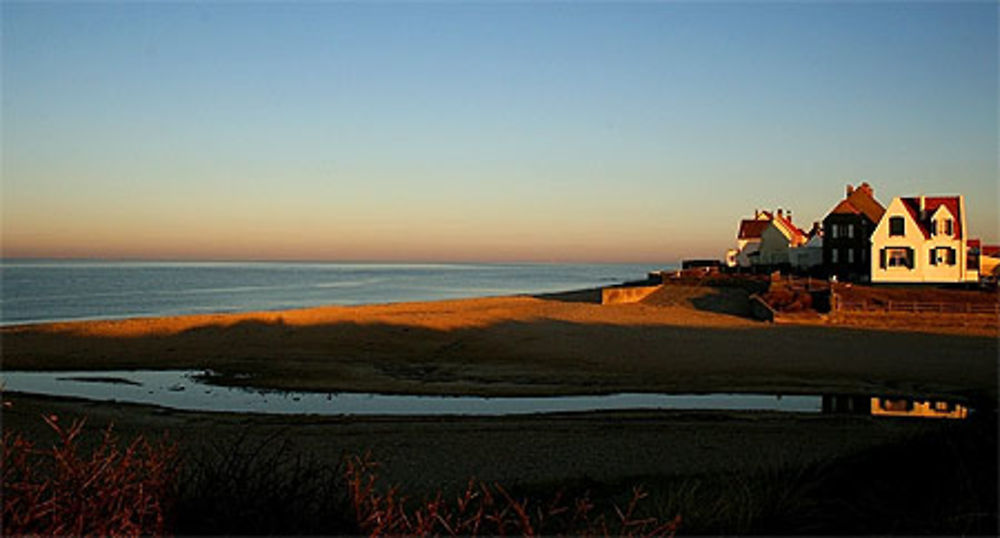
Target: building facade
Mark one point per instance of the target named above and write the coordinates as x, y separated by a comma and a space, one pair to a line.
748, 240
778, 237
809, 255
922, 239
847, 232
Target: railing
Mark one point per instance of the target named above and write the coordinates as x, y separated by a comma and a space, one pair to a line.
917, 307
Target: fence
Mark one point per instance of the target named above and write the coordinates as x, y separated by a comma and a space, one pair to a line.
806, 283
917, 307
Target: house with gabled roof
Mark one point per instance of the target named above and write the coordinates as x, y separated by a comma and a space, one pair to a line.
922, 239
847, 231
778, 237
808, 255
748, 239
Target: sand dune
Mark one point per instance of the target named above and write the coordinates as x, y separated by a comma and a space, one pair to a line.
519, 345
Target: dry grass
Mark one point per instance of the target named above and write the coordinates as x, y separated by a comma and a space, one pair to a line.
929, 294
261, 487
489, 510
114, 490
267, 486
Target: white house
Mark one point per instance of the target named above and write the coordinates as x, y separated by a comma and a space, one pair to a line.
809, 254
922, 239
748, 240
778, 238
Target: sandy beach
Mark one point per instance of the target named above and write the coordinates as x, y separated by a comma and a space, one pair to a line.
685, 340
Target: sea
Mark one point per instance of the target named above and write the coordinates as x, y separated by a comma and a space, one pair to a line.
37, 291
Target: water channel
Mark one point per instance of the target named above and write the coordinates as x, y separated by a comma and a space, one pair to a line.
188, 390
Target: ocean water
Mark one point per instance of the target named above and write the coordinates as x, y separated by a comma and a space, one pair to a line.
34, 291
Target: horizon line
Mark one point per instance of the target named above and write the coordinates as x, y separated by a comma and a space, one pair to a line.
4, 259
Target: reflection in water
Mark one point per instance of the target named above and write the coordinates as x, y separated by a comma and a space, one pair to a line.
187, 390
893, 406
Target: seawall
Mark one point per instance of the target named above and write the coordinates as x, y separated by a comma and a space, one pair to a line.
627, 294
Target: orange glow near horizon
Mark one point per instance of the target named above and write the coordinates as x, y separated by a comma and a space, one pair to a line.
270, 248
431, 234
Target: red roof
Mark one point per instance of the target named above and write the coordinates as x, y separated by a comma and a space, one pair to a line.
990, 250
861, 201
797, 235
752, 228
845, 207
931, 204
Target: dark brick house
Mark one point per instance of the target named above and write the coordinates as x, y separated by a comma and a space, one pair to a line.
847, 231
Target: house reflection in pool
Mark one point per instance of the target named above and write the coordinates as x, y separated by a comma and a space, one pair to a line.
893, 406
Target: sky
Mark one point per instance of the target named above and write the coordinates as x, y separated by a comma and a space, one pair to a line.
493, 132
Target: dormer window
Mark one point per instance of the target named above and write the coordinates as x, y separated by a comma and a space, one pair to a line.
948, 227
897, 226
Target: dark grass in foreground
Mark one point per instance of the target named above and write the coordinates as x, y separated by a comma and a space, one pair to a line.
112, 489
259, 488
942, 481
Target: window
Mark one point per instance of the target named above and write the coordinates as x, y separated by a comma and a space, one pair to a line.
897, 405
833, 230
896, 257
850, 254
942, 227
850, 230
896, 226
942, 255
833, 254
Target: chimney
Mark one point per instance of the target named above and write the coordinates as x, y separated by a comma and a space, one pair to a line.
850, 189
866, 188
780, 212
756, 214
789, 215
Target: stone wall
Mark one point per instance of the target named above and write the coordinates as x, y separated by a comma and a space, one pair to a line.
627, 294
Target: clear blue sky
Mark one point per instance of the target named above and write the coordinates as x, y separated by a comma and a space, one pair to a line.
549, 132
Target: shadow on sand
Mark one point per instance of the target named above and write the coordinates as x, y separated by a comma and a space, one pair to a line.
537, 356
727, 300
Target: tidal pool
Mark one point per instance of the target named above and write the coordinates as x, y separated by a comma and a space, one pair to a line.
187, 390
